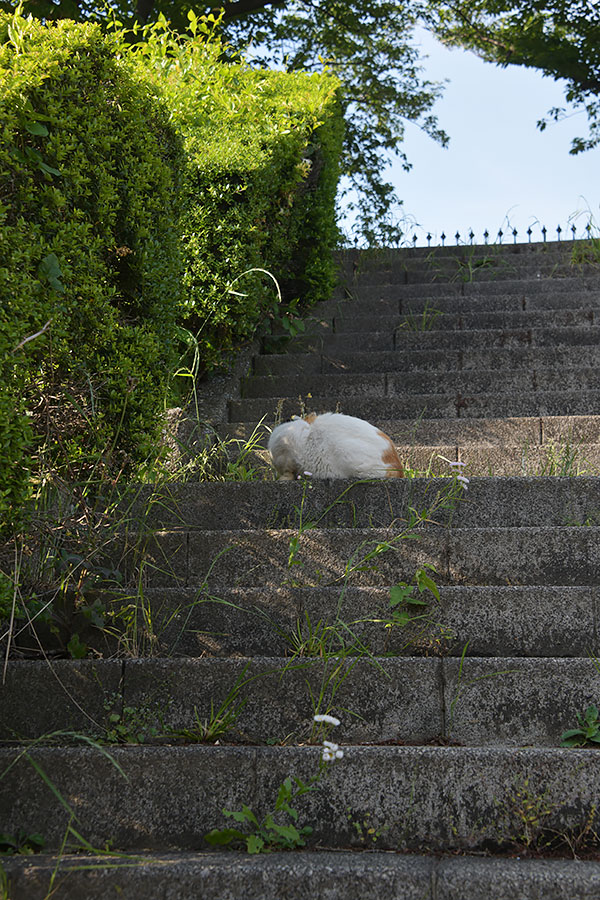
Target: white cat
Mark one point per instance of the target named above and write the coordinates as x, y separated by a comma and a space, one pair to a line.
333, 446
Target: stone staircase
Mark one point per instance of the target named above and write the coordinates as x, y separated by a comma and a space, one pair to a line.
452, 785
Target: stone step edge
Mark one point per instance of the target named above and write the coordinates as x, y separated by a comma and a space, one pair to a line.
411, 408
541, 425
446, 383
304, 875
412, 701
415, 797
496, 621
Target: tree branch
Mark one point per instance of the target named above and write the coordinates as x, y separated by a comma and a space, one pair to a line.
481, 34
245, 7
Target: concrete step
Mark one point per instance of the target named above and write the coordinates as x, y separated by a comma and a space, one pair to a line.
427, 461
387, 301
429, 319
414, 798
567, 458
417, 406
549, 446
490, 381
209, 560
383, 361
385, 286
411, 700
508, 502
437, 339
489, 621
275, 621
482, 278
491, 432
496, 272
304, 875
479, 272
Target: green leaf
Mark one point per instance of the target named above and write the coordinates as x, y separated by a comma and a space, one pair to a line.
48, 169
285, 793
424, 582
36, 128
77, 648
249, 815
399, 593
254, 843
49, 270
288, 832
244, 815
220, 837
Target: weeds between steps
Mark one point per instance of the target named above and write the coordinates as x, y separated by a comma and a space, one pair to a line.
262, 837
135, 725
72, 840
61, 582
469, 264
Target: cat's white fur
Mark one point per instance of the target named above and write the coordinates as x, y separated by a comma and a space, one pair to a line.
333, 446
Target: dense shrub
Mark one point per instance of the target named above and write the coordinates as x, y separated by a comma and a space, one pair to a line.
141, 187
89, 243
263, 153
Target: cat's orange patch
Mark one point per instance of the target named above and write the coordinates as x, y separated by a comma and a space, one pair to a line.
310, 418
391, 459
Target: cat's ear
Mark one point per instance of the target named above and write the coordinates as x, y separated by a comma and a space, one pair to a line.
310, 418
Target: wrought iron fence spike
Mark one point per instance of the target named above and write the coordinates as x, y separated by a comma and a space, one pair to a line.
428, 239
471, 236
573, 230
486, 235
442, 238
457, 237
514, 234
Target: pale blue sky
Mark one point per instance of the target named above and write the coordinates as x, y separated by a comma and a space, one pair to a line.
498, 164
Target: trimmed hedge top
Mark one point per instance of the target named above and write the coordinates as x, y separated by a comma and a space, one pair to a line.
263, 154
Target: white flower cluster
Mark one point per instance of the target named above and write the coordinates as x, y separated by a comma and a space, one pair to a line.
458, 467
329, 720
331, 751
308, 474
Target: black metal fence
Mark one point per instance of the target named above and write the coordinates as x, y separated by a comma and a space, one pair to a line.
570, 233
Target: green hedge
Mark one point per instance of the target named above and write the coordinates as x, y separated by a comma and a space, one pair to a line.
263, 153
138, 186
89, 242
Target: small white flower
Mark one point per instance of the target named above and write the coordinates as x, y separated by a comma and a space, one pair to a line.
464, 481
331, 746
457, 465
330, 720
331, 752
308, 473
